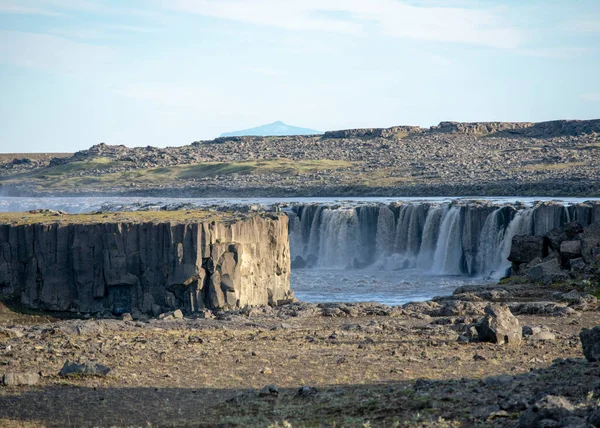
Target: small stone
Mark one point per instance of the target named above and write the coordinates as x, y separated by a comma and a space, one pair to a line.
18, 379
478, 357
307, 391
91, 369
269, 391
543, 335
205, 314
530, 331
177, 314
127, 317
266, 370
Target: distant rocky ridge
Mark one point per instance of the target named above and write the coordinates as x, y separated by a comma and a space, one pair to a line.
557, 158
272, 129
541, 129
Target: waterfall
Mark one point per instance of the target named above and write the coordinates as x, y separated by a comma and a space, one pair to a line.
442, 238
448, 251
386, 228
430, 235
339, 238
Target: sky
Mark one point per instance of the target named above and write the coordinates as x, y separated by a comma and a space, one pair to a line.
74, 73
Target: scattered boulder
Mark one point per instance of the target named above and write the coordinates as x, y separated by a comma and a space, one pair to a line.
19, 379
590, 342
499, 325
269, 391
578, 265
543, 335
590, 243
525, 248
570, 249
547, 271
549, 408
568, 232
84, 369
307, 391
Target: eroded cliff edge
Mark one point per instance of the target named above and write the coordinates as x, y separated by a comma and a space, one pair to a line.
127, 262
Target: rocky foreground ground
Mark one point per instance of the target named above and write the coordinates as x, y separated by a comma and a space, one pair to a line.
423, 364
559, 158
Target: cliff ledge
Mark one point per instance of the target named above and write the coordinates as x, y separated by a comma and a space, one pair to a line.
148, 261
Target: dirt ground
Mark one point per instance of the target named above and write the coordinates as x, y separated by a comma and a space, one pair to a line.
371, 366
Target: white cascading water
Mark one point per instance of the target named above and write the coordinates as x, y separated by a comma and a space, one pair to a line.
430, 235
386, 227
448, 251
417, 235
496, 239
338, 237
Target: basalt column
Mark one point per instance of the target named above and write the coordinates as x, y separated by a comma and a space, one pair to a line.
146, 266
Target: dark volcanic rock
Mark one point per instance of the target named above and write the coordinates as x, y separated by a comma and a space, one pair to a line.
567, 232
526, 248
548, 409
590, 342
153, 267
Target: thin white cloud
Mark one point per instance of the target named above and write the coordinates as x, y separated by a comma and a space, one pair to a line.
392, 17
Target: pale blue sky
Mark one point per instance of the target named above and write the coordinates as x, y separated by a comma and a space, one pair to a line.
74, 73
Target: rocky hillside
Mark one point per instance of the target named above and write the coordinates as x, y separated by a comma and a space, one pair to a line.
549, 158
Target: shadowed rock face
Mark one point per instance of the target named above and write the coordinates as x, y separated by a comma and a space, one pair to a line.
123, 267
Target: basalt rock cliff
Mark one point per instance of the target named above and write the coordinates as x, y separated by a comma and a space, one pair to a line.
149, 267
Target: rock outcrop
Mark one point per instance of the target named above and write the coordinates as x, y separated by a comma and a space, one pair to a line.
571, 250
149, 266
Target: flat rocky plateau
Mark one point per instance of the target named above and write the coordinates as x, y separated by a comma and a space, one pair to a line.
309, 365
558, 158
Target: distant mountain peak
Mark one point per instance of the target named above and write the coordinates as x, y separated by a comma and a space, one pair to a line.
277, 128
